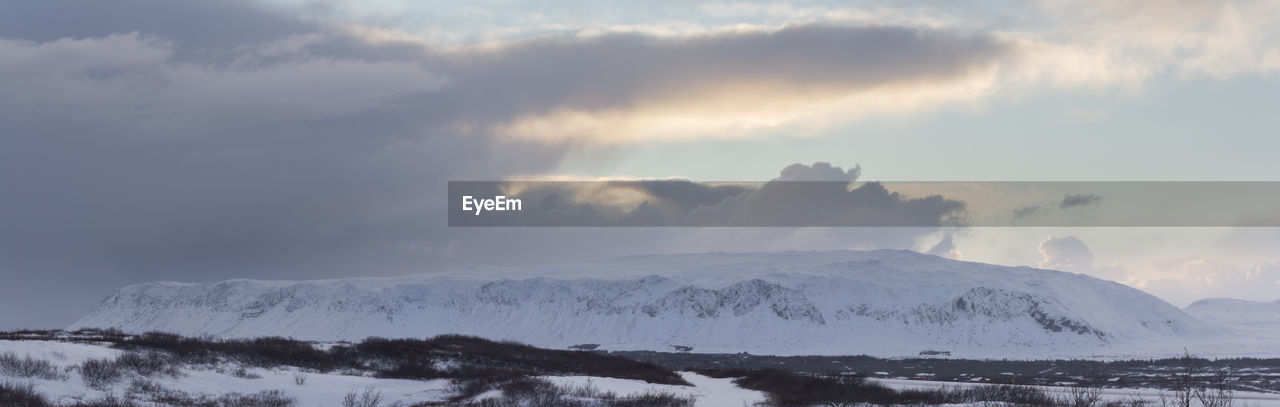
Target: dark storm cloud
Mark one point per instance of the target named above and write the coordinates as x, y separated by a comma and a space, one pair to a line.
685, 195
802, 195
828, 203
158, 140
622, 70
1075, 200
819, 171
198, 26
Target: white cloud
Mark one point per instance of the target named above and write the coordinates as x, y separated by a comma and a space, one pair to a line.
945, 248
1211, 38
1187, 279
1066, 253
1179, 280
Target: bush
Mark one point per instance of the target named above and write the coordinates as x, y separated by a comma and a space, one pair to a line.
468, 386
371, 397
785, 389
244, 373
1081, 397
260, 352
147, 364
21, 395
109, 401
100, 373
525, 386
540, 392
269, 398
1005, 393
475, 364
413, 370
153, 393
512, 356
653, 399
14, 366
141, 389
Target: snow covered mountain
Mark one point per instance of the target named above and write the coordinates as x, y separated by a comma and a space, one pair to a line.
838, 302
1248, 328
1236, 312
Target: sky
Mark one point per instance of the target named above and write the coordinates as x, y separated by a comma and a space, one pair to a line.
145, 140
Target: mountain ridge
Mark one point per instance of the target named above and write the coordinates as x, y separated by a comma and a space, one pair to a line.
888, 303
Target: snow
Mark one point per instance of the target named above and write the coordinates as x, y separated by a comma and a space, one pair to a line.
62, 354
882, 303
1250, 328
1237, 312
1253, 399
721, 392
319, 389
707, 391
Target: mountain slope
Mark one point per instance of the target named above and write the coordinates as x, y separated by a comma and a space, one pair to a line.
1236, 312
876, 302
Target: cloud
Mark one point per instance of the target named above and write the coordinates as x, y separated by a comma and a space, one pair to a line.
1067, 202
780, 203
819, 171
1066, 253
1074, 200
1180, 280
945, 248
1092, 44
608, 88
1191, 38
802, 195
198, 27
1025, 211
134, 81
150, 139
709, 85
1085, 44
139, 148
1264, 273
138, 153
1185, 279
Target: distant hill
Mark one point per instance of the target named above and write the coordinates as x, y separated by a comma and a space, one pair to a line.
886, 303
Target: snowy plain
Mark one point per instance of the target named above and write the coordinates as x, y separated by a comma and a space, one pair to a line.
1252, 399
321, 389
